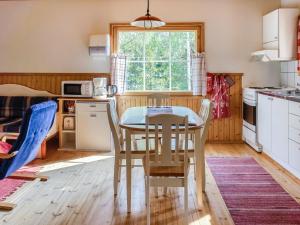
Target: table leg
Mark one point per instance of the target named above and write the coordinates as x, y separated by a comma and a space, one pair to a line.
128, 168
199, 165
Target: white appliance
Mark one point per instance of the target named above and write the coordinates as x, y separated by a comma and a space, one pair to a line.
83, 88
99, 45
100, 87
279, 36
92, 126
250, 115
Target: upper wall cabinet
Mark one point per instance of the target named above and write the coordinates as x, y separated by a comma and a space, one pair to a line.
271, 30
280, 32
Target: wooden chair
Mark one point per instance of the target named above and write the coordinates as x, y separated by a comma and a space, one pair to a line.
166, 168
139, 147
205, 114
35, 126
158, 99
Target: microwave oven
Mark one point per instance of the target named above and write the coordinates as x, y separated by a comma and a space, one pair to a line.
84, 88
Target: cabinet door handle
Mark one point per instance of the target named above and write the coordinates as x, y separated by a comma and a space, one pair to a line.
93, 106
94, 115
270, 99
276, 37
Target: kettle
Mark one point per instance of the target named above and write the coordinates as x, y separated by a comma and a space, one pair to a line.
112, 90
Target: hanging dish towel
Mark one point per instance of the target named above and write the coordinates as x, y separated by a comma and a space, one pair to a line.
298, 45
218, 89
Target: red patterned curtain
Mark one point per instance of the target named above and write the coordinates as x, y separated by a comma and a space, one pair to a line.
298, 45
218, 88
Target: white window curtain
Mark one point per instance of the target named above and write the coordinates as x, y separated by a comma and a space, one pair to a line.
198, 74
118, 70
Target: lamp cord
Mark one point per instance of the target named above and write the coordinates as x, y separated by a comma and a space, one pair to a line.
148, 5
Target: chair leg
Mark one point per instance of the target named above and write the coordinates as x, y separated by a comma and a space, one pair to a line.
120, 167
194, 170
145, 180
186, 203
116, 175
5, 206
148, 200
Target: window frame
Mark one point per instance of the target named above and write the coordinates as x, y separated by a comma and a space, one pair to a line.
197, 27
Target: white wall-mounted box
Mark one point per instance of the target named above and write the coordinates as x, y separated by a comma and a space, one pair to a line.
99, 45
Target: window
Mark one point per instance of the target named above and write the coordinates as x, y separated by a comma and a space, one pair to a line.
157, 60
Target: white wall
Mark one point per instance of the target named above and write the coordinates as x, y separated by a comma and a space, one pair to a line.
52, 36
290, 3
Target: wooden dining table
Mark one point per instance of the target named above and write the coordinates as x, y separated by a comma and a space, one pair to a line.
133, 122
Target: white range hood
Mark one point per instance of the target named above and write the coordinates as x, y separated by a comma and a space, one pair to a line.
266, 56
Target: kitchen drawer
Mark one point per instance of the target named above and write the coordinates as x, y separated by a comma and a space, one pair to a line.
294, 134
91, 106
294, 121
294, 155
294, 108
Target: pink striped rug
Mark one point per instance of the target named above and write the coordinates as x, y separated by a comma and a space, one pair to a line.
251, 195
9, 185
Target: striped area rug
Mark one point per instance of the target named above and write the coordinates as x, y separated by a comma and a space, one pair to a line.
251, 195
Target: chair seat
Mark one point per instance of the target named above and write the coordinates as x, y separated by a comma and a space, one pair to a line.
165, 171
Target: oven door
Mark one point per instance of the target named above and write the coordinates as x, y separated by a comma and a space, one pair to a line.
249, 114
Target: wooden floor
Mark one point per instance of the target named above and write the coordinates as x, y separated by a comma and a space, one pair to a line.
80, 191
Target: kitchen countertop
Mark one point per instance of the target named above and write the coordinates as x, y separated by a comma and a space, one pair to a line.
290, 95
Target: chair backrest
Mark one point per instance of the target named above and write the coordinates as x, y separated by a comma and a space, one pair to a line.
169, 127
158, 99
205, 109
113, 120
36, 124
206, 115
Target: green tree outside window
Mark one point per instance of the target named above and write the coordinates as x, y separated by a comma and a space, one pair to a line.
157, 60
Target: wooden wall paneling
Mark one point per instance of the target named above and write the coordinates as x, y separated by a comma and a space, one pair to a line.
46, 81
228, 130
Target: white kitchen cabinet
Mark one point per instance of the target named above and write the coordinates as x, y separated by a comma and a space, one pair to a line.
271, 29
264, 121
280, 129
294, 108
294, 121
294, 156
92, 127
280, 32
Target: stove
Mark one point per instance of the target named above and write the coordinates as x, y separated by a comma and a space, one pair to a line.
250, 96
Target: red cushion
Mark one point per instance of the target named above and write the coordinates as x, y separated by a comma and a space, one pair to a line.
4, 147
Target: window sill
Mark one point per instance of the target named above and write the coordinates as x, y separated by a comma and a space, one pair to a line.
145, 93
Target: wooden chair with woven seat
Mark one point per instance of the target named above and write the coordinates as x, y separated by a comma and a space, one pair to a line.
166, 168
158, 99
139, 146
205, 113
